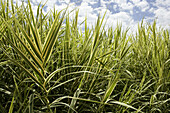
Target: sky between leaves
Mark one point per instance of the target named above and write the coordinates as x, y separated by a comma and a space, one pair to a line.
127, 12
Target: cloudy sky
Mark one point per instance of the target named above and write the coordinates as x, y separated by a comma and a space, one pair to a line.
127, 12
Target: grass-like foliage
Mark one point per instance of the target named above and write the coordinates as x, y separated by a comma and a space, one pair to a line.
48, 64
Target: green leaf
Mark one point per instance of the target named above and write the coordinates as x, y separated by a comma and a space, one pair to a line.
52, 38
31, 103
11, 106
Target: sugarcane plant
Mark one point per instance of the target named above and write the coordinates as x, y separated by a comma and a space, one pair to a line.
49, 64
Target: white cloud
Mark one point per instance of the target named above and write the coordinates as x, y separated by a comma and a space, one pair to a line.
85, 8
120, 1
42, 1
162, 12
151, 9
143, 5
135, 1
163, 17
122, 17
163, 3
126, 6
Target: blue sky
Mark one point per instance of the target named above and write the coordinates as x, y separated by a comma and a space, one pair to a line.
127, 12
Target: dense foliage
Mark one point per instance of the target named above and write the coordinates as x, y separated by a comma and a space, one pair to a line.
49, 64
